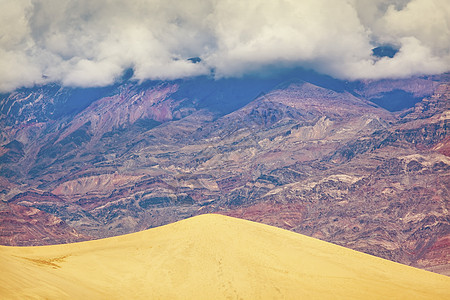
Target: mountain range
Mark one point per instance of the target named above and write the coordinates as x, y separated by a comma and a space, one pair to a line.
364, 165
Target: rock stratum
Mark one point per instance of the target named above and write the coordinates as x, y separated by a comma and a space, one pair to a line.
319, 158
210, 257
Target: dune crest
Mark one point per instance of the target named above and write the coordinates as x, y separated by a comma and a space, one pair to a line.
210, 257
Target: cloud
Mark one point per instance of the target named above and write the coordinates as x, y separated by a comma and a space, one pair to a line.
91, 43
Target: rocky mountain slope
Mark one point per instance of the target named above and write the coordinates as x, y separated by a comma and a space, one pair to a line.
321, 160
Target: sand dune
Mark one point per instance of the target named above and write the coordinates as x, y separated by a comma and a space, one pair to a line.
210, 257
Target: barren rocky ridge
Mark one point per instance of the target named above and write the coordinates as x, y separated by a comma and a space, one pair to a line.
326, 162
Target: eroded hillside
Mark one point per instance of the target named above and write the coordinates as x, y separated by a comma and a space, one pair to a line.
326, 163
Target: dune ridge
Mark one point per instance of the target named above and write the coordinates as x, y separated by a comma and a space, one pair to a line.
210, 257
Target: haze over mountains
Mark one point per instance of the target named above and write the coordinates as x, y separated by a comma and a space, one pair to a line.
361, 164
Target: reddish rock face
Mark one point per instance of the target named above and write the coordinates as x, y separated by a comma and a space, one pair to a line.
283, 215
29, 226
443, 147
325, 163
437, 257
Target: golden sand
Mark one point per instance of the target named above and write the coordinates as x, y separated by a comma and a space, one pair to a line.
210, 257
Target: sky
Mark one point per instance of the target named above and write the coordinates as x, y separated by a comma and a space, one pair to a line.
87, 43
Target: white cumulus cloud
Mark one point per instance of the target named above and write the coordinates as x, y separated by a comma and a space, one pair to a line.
91, 43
